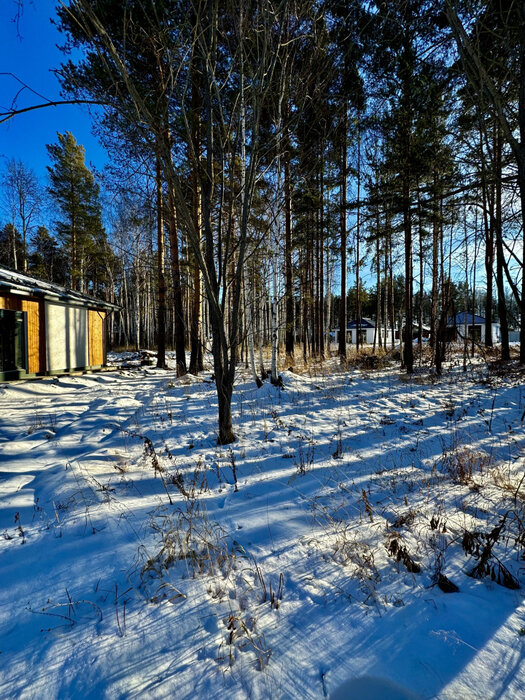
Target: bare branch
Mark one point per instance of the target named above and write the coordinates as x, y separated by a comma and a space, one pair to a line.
10, 113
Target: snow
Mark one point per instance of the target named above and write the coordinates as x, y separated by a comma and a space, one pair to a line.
15, 281
131, 567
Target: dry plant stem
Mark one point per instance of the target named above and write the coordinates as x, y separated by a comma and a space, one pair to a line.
149, 450
121, 627
70, 604
234, 469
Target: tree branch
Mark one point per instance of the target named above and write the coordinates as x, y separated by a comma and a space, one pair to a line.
10, 113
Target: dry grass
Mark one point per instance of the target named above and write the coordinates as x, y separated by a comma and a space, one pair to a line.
462, 463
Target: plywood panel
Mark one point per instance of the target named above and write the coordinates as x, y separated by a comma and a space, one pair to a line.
32, 309
66, 337
56, 348
96, 337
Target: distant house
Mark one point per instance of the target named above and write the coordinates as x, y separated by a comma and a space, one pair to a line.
365, 329
466, 325
48, 329
425, 332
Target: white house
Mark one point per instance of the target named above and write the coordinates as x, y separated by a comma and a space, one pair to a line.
467, 325
366, 329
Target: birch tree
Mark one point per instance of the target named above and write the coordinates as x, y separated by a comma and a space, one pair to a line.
23, 197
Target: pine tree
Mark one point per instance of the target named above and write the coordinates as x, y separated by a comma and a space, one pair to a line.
490, 39
403, 26
221, 244
76, 193
47, 261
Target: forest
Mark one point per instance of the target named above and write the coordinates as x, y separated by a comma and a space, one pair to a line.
299, 470
279, 169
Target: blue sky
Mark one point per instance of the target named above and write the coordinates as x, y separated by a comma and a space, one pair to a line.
30, 52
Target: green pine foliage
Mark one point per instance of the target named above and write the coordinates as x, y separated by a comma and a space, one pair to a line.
48, 261
77, 196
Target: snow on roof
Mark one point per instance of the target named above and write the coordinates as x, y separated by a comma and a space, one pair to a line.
19, 283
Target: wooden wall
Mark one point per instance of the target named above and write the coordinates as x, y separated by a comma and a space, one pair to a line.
97, 337
34, 309
36, 357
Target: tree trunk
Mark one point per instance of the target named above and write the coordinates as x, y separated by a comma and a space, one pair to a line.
408, 350
180, 334
250, 333
74, 261
342, 304
489, 244
161, 303
288, 265
224, 384
357, 243
320, 270
196, 359
392, 310
421, 288
521, 173
377, 333
435, 268
502, 306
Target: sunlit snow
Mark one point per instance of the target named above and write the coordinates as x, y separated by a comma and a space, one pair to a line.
130, 566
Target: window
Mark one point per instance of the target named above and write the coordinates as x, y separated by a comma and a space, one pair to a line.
474, 332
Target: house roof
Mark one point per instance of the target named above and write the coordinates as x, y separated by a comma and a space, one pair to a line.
465, 317
365, 323
15, 282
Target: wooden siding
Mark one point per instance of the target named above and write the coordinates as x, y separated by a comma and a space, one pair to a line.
35, 341
97, 335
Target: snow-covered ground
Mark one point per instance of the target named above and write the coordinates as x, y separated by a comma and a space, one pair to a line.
131, 566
